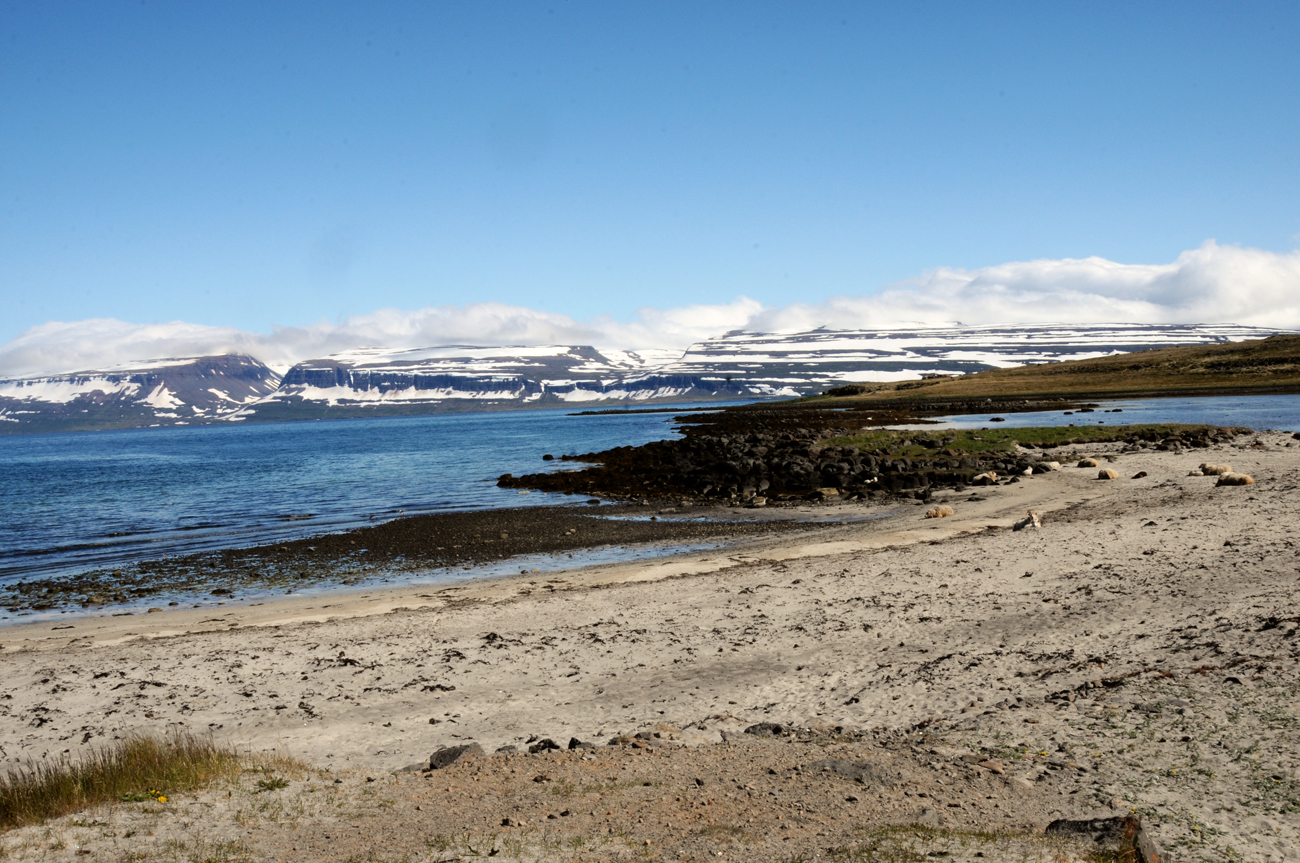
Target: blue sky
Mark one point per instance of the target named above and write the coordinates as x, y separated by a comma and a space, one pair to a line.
252, 165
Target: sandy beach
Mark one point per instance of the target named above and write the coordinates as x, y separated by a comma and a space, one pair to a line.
1138, 653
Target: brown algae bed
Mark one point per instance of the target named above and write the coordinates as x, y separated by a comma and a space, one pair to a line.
403, 547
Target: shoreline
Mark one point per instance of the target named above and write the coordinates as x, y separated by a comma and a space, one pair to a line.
774, 535
1138, 653
418, 548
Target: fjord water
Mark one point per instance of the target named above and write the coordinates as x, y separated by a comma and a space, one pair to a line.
71, 502
1280, 412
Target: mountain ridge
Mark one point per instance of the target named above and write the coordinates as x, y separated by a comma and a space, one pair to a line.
376, 381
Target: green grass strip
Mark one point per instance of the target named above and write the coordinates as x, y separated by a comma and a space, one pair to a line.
923, 444
134, 769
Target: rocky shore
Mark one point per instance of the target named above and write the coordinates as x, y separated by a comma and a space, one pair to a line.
760, 455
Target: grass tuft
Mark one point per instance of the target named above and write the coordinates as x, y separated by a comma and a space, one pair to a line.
136, 768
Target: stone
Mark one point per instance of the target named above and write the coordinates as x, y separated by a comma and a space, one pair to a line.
766, 729
544, 745
993, 767
1123, 835
450, 755
1031, 519
860, 772
928, 817
575, 743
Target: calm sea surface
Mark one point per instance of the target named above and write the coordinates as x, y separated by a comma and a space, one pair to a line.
71, 502
1256, 412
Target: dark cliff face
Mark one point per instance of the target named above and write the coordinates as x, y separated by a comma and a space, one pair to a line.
165, 393
325, 375
373, 382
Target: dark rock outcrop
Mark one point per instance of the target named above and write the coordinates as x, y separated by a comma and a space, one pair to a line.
450, 755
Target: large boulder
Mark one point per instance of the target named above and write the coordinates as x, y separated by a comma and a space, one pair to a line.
449, 755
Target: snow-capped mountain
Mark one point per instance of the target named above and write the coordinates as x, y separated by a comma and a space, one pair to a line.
381, 382
813, 361
165, 392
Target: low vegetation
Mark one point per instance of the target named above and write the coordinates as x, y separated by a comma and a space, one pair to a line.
959, 442
1260, 366
137, 769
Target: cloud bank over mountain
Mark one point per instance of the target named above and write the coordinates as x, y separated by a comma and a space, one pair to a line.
1210, 284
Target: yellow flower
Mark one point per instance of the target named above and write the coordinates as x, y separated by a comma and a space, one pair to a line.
162, 798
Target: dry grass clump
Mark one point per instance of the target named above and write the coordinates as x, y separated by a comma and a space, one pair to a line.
137, 768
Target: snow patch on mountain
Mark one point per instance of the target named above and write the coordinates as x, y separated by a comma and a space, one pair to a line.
146, 393
378, 381
823, 357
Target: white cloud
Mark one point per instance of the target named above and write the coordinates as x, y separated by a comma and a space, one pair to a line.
1210, 284
94, 344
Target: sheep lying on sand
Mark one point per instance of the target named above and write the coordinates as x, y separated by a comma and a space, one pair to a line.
1195, 473
1215, 469
1236, 479
986, 478
1139, 474
940, 511
1088, 462
1031, 519
1107, 473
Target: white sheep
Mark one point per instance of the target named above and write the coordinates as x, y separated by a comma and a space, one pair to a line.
1215, 469
1236, 479
940, 511
1107, 473
1089, 462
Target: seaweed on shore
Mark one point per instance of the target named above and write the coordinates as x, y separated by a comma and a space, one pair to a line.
405, 546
